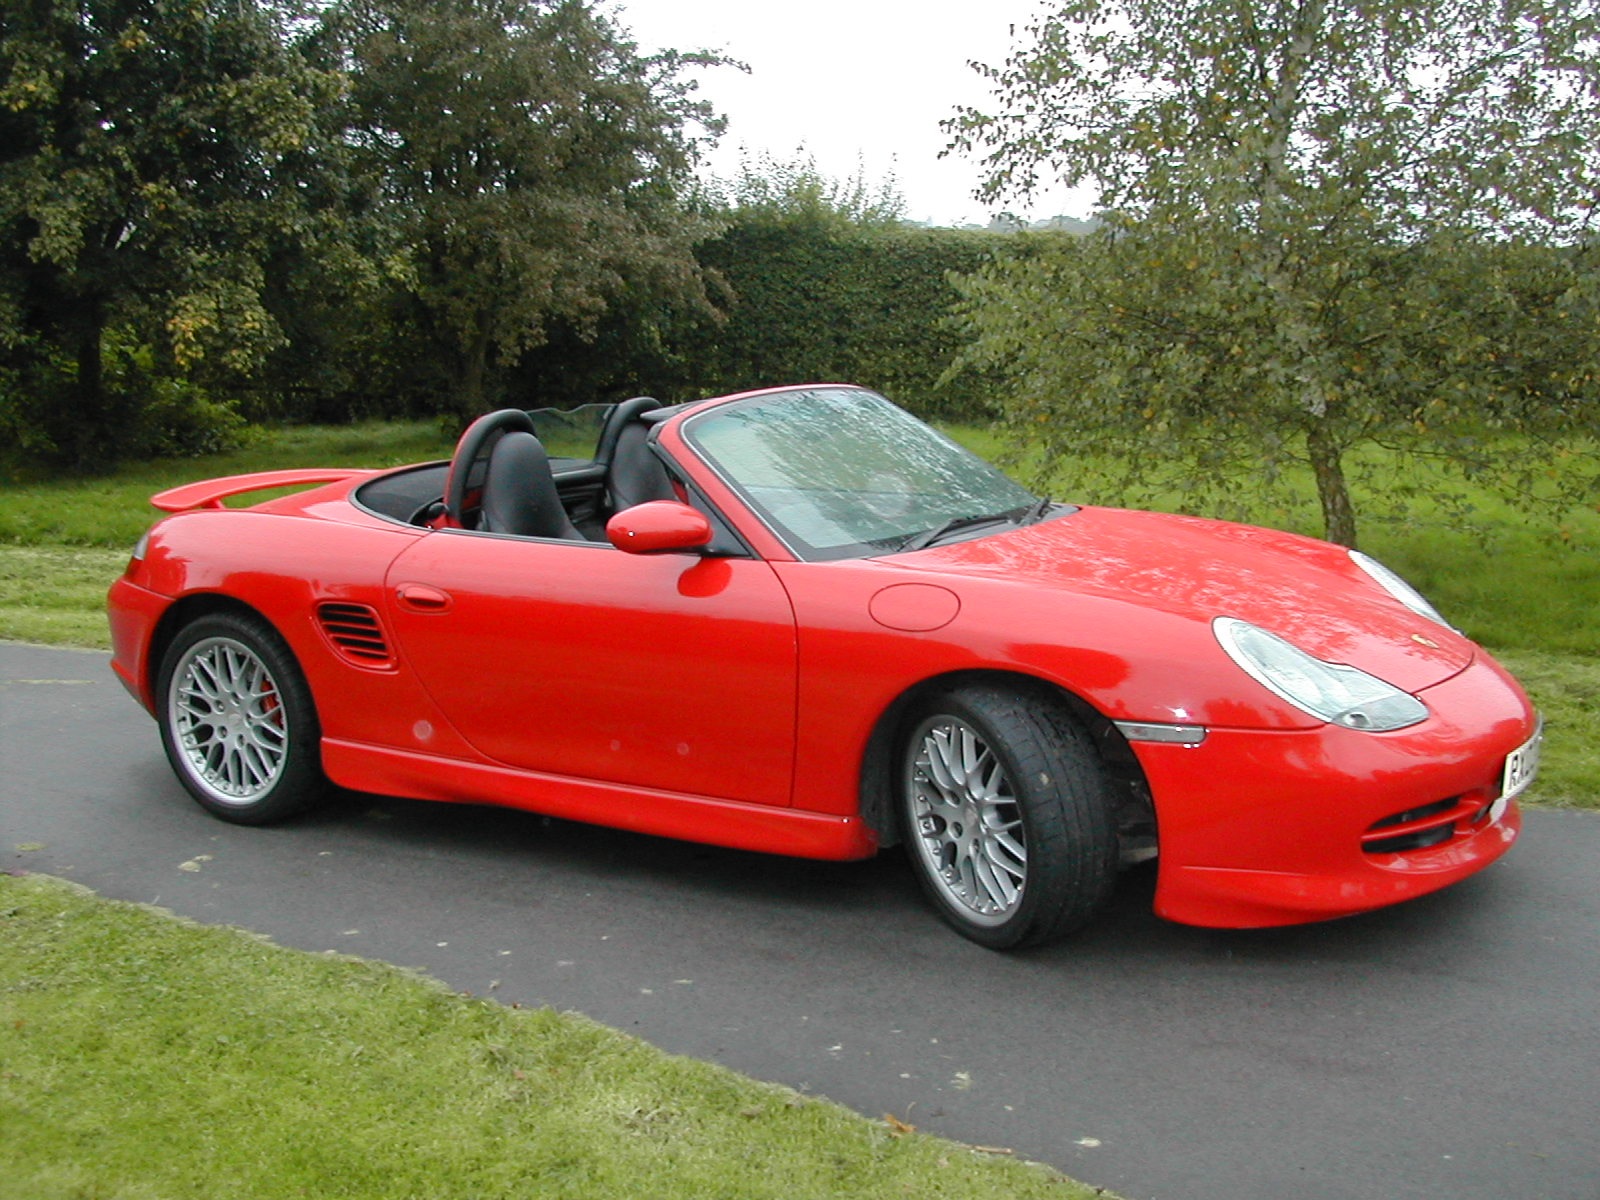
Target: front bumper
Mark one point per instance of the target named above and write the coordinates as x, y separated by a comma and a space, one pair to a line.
1261, 828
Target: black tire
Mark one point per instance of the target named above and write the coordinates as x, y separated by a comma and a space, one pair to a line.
1008, 815
238, 722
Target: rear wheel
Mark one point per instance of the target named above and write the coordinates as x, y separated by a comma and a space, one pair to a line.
238, 722
1008, 816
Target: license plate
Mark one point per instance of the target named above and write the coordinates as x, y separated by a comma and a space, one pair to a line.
1521, 766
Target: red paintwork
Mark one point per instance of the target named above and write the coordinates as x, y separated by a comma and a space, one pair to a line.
733, 700
570, 658
914, 607
1237, 830
657, 526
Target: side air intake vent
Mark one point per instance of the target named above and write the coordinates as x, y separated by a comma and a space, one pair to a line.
355, 630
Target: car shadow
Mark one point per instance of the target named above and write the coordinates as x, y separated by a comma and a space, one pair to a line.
880, 894
612, 856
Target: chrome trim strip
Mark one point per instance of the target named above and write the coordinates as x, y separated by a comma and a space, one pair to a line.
1146, 731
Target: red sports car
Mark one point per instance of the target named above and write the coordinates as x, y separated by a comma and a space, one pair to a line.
801, 621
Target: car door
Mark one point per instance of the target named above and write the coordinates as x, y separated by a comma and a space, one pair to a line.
668, 671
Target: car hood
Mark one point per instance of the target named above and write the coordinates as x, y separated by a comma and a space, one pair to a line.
1305, 590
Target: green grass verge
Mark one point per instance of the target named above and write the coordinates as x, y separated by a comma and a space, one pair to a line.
1513, 585
1567, 691
142, 1056
56, 595
115, 509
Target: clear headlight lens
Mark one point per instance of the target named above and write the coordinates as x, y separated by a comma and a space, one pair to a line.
1398, 588
1330, 692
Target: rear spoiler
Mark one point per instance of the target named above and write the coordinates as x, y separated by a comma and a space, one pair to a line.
210, 493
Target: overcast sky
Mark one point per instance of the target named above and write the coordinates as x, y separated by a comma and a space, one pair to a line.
857, 82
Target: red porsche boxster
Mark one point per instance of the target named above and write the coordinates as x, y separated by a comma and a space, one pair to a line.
801, 621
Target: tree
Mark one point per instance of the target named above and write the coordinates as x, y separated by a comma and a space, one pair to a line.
814, 278
797, 191
150, 153
1325, 226
527, 164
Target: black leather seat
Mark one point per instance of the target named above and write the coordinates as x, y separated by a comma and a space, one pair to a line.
634, 474
519, 491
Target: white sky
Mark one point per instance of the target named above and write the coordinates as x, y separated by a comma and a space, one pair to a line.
862, 84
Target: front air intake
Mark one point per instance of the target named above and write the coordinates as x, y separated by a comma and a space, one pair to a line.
1425, 827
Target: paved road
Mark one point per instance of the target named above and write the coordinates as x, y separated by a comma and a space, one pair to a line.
1449, 1048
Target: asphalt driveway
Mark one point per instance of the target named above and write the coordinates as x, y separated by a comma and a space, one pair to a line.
1446, 1048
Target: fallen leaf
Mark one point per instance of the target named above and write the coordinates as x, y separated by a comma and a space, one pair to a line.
896, 1126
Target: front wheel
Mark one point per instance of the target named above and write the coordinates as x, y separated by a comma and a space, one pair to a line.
237, 720
1008, 816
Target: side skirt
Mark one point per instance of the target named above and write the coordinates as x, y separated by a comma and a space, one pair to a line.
728, 823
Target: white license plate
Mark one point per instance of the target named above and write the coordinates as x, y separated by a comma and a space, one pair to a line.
1521, 766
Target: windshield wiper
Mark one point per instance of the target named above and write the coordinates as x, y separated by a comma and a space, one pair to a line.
921, 541
1037, 511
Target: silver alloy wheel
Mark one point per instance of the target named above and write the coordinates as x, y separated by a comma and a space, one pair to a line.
967, 825
228, 720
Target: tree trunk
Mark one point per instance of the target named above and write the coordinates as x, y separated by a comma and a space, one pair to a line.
1338, 514
473, 376
84, 439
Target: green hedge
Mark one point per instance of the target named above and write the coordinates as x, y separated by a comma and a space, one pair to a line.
800, 300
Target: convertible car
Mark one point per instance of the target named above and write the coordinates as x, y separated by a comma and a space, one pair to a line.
800, 621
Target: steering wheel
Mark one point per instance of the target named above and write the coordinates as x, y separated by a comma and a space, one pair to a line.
474, 446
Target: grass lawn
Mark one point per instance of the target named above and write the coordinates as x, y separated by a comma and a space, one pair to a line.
142, 1056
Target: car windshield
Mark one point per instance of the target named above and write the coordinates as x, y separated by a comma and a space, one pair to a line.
841, 472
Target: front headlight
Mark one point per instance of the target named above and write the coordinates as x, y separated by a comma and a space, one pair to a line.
1398, 588
1330, 692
